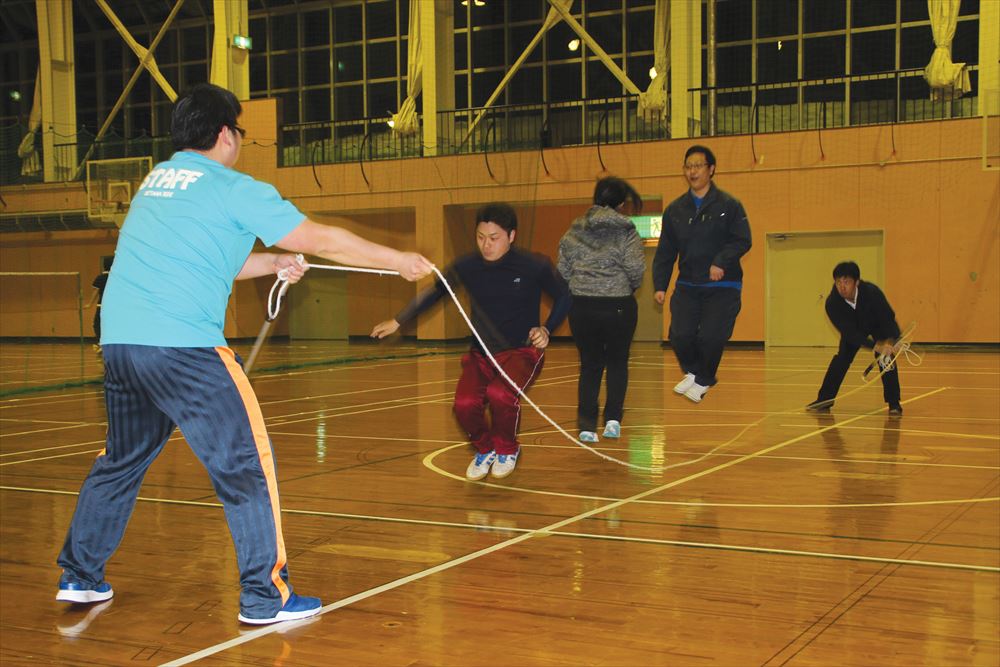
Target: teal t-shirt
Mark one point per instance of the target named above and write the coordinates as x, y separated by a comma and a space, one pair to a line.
188, 232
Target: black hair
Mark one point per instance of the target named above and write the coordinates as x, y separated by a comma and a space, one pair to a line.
612, 192
501, 214
847, 270
709, 155
200, 113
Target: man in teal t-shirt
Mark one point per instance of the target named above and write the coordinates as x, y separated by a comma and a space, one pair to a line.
188, 235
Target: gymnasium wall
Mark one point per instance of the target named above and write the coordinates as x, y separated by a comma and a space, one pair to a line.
921, 183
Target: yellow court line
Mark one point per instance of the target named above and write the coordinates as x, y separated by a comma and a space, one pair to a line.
416, 576
341, 436
912, 431
579, 496
428, 462
388, 404
877, 461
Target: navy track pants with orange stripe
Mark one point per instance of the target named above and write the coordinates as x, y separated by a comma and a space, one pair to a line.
148, 392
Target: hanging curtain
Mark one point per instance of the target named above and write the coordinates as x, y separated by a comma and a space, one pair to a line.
947, 80
654, 100
405, 120
31, 165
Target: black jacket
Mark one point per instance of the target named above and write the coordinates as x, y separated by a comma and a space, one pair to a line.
718, 233
505, 296
873, 319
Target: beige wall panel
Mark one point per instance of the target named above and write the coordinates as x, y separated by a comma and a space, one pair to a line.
908, 214
969, 245
939, 210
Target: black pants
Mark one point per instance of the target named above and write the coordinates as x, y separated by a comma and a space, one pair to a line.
837, 370
701, 322
602, 330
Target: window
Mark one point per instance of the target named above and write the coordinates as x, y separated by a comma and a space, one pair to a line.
777, 61
777, 17
873, 52
825, 15
823, 57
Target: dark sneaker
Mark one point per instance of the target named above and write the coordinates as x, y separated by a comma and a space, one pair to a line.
72, 589
819, 406
298, 606
895, 410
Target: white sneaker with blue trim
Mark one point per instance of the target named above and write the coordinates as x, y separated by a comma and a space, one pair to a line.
480, 466
504, 465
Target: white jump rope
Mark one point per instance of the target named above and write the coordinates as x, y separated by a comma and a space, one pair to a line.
281, 285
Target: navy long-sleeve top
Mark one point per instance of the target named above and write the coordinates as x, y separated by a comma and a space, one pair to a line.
506, 296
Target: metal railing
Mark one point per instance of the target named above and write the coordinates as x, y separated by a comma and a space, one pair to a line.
68, 155
513, 127
331, 142
501, 128
885, 97
846, 101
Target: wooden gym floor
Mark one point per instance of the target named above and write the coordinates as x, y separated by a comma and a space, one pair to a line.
774, 537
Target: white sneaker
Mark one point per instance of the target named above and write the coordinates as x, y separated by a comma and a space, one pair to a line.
695, 392
612, 429
685, 384
588, 436
480, 466
504, 465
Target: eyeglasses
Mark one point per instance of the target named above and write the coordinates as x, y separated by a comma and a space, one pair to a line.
696, 166
240, 130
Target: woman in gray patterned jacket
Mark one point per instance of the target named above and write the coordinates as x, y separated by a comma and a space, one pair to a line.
602, 260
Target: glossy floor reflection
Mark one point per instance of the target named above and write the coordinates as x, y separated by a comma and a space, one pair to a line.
772, 536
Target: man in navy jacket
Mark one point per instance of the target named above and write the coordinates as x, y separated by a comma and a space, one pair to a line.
709, 230
864, 318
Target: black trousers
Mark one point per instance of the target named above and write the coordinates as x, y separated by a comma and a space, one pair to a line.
838, 368
701, 322
602, 330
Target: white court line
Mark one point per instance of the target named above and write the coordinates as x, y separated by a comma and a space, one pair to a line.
547, 530
49, 430
49, 449
564, 533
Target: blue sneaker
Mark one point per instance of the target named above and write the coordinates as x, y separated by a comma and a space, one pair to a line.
298, 606
72, 589
588, 436
612, 429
